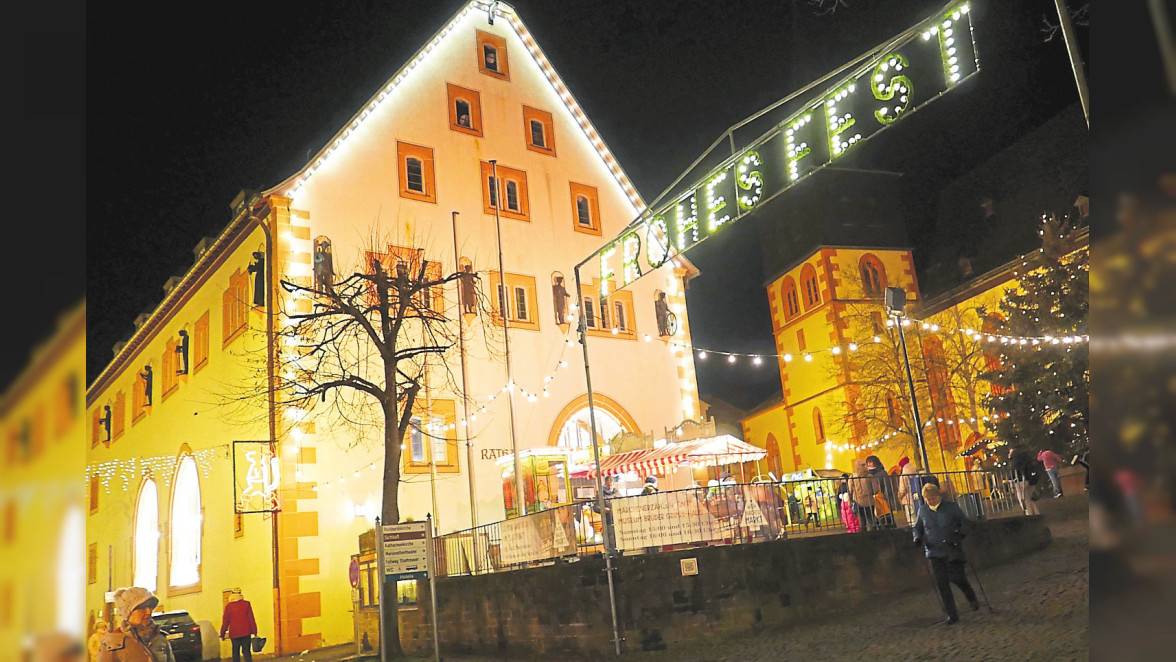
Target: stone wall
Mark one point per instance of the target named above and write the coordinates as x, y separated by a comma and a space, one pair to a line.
562, 610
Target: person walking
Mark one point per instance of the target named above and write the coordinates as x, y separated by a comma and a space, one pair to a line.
1052, 461
101, 628
238, 622
940, 529
862, 489
138, 638
886, 489
609, 492
1024, 478
811, 510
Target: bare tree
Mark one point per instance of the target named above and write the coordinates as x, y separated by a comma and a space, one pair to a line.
361, 348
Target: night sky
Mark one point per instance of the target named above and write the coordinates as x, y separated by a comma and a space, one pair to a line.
183, 112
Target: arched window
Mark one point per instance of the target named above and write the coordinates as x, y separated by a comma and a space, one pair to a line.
873, 275
537, 137
512, 195
146, 550
812, 291
775, 463
583, 211
71, 572
992, 360
818, 425
790, 297
939, 385
415, 174
185, 525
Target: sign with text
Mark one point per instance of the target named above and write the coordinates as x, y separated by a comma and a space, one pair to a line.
406, 551
537, 537
668, 518
901, 76
256, 476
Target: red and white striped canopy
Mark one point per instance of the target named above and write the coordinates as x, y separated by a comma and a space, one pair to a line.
720, 450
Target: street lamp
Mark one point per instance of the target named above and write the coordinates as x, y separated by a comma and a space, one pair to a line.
895, 303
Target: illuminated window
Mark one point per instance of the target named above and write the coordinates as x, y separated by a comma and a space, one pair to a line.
517, 300
818, 425
415, 166
619, 316
492, 56
186, 526
812, 291
585, 209
510, 186
432, 433
873, 275
589, 315
465, 110
146, 550
119, 424
539, 130
791, 300
235, 307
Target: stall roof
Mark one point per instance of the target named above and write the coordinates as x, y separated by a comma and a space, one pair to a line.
723, 449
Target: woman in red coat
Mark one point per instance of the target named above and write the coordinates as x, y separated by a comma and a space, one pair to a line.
238, 622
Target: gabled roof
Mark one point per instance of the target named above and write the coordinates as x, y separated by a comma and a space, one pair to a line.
292, 183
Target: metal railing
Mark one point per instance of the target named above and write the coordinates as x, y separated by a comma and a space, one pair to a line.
724, 514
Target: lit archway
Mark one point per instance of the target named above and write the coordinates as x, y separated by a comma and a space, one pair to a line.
571, 429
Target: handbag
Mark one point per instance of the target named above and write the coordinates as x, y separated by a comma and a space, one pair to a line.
257, 643
881, 507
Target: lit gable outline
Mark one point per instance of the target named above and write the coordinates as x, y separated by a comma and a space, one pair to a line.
291, 184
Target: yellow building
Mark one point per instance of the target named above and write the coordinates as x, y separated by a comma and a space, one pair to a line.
416, 167
43, 562
845, 394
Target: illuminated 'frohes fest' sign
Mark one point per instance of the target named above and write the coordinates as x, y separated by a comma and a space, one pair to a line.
916, 70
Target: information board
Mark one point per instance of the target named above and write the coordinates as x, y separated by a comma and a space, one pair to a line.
406, 551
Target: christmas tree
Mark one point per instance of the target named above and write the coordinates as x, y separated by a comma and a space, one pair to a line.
1041, 389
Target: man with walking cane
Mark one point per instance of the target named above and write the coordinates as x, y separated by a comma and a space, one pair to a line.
940, 527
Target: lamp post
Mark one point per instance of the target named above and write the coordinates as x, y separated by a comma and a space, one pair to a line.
895, 302
503, 306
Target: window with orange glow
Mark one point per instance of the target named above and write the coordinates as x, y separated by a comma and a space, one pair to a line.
415, 166
465, 110
511, 189
492, 56
585, 209
539, 130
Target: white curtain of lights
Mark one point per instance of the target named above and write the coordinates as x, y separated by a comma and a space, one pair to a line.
576, 433
147, 537
185, 526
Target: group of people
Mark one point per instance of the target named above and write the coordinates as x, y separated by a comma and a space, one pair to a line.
138, 638
868, 499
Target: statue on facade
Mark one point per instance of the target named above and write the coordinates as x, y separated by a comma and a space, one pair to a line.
324, 264
662, 309
559, 296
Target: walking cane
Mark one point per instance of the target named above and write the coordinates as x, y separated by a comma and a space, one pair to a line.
934, 586
981, 585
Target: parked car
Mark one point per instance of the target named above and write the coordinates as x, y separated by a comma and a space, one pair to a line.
183, 633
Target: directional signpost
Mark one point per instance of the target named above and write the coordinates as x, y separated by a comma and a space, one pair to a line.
406, 554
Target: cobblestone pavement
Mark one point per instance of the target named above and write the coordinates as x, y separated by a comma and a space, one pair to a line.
1040, 612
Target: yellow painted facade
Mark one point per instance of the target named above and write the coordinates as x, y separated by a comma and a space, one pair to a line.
398, 169
43, 563
823, 420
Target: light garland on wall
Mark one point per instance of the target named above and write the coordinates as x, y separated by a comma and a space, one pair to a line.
160, 467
